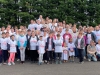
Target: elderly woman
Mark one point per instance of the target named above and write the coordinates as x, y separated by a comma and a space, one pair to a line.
91, 50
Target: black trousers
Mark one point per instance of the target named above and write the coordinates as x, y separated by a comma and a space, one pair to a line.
33, 55
27, 53
50, 55
58, 56
45, 56
80, 55
5, 55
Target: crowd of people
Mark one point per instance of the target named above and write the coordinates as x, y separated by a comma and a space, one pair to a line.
49, 41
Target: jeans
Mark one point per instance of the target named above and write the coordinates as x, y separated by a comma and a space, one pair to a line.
50, 55
76, 52
84, 52
92, 57
22, 54
98, 55
40, 57
58, 56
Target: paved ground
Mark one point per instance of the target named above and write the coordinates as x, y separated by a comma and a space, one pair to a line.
88, 68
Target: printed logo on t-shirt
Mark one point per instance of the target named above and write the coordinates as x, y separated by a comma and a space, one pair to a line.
33, 41
21, 41
65, 51
97, 34
12, 45
4, 43
67, 37
42, 46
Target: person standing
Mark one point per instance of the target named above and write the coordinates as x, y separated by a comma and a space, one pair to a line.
28, 36
3, 47
22, 42
79, 43
71, 48
12, 50
32, 45
58, 49
50, 48
41, 49
65, 53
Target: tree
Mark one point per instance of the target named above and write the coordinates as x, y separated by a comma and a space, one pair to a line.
20, 12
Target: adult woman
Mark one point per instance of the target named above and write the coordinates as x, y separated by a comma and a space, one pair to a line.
91, 50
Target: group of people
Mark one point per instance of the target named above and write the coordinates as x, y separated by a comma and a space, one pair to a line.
49, 41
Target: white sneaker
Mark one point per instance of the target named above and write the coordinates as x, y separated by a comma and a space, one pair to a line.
89, 60
13, 63
0, 64
82, 62
9, 64
4, 63
84, 57
18, 59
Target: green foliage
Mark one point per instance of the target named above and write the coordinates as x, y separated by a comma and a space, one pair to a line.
17, 12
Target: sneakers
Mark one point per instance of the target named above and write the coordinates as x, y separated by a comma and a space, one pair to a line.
39, 63
56, 62
18, 59
84, 57
89, 60
9, 64
0, 64
82, 62
4, 63
60, 62
13, 63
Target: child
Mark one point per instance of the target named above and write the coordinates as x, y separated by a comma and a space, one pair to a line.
4, 52
80, 46
58, 48
12, 50
65, 53
41, 50
50, 48
71, 47
22, 42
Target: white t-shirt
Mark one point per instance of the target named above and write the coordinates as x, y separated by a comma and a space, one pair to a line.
12, 45
41, 45
88, 38
45, 38
9, 31
98, 48
8, 38
50, 45
74, 36
67, 38
39, 26
31, 26
3, 42
65, 50
79, 41
97, 33
33, 43
58, 45
71, 46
